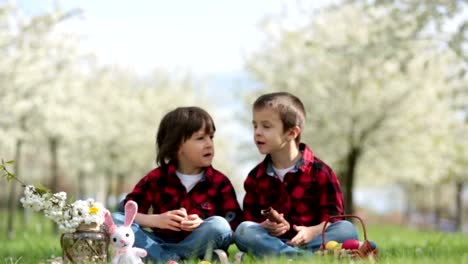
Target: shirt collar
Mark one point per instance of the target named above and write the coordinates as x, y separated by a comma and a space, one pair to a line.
171, 173
302, 164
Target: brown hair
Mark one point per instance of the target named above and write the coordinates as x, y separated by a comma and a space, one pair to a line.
176, 127
289, 107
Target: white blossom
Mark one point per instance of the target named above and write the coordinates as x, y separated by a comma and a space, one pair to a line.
67, 216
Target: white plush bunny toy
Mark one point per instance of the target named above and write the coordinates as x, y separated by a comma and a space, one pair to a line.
122, 237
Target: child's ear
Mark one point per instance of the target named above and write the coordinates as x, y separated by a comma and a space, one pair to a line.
293, 133
179, 148
179, 153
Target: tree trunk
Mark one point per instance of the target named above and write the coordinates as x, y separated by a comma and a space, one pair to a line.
53, 144
348, 178
110, 190
409, 201
120, 188
459, 205
12, 202
81, 185
437, 208
108, 184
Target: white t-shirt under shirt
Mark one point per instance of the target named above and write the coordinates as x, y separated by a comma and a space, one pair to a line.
281, 172
189, 180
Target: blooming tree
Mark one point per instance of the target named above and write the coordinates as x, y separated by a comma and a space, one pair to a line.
71, 120
377, 91
27, 71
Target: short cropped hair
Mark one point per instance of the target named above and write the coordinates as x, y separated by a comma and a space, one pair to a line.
176, 127
290, 108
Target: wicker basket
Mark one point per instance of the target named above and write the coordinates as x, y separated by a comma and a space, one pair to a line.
365, 250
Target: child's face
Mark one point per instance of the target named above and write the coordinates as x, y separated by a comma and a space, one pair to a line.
268, 131
196, 152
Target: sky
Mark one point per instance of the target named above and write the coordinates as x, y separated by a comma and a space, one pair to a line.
204, 36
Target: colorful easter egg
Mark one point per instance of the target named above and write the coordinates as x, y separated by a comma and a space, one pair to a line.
351, 244
331, 244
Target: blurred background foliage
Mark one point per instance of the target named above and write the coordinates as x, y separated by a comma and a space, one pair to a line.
384, 84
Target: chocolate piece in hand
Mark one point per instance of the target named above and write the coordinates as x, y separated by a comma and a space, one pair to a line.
274, 216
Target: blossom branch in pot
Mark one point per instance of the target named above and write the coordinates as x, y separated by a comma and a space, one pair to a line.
71, 218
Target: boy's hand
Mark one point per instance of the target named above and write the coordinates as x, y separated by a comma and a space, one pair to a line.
172, 219
275, 229
305, 234
191, 222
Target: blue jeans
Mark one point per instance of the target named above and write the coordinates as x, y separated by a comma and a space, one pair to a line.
252, 237
214, 233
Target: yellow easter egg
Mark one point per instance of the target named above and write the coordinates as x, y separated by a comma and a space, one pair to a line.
331, 244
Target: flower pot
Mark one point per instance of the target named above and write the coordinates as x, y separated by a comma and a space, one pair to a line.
88, 244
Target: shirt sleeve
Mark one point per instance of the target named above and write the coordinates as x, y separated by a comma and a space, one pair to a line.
230, 206
142, 194
251, 206
331, 197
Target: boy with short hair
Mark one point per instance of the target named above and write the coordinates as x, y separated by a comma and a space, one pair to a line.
291, 180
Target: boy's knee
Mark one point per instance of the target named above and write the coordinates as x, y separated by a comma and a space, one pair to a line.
218, 223
346, 230
247, 235
244, 228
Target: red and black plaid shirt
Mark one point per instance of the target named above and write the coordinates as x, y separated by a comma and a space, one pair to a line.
161, 190
309, 194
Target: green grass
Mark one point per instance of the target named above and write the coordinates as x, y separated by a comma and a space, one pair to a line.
35, 242
404, 245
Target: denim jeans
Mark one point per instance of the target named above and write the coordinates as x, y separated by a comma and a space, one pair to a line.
214, 233
252, 237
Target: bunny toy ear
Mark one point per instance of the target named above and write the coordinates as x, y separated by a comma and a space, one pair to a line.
108, 222
131, 209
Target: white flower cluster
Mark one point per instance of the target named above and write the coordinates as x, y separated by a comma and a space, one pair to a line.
67, 216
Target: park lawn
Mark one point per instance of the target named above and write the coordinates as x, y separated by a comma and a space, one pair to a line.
36, 242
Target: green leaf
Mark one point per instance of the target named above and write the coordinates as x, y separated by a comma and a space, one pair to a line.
10, 162
41, 189
10, 176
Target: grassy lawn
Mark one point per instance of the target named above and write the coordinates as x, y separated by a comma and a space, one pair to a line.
35, 242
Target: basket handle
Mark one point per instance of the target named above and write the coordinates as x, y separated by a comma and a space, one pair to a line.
342, 216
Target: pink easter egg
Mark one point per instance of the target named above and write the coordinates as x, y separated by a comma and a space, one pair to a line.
351, 244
